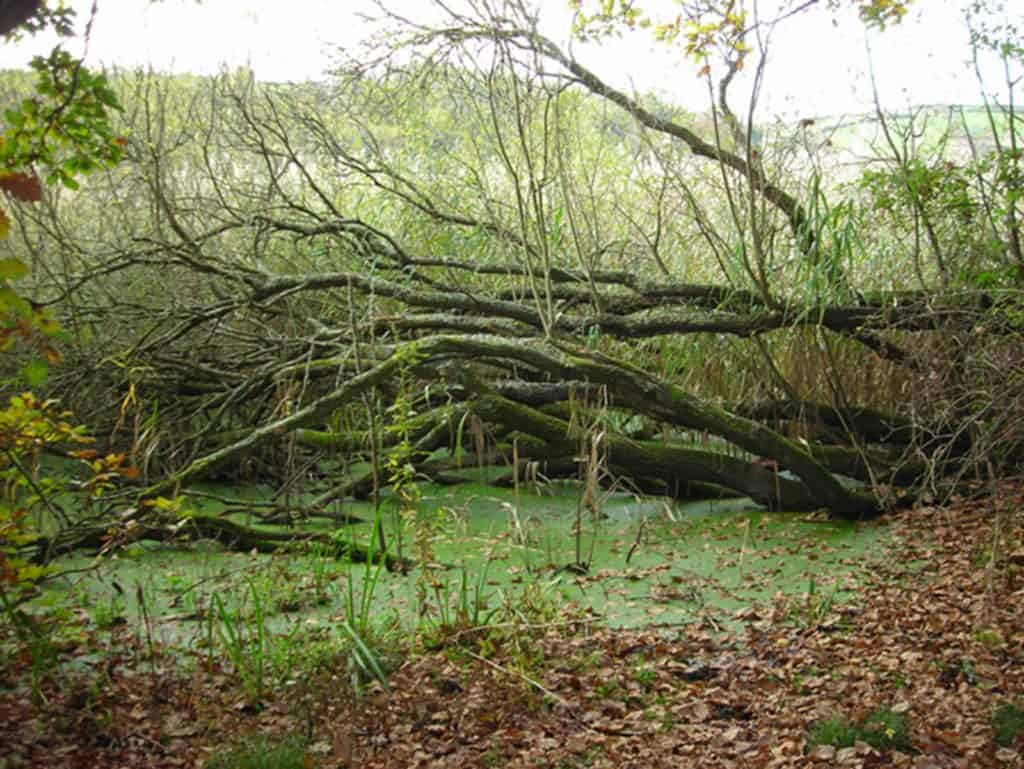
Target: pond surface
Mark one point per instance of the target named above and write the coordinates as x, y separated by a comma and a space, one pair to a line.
647, 562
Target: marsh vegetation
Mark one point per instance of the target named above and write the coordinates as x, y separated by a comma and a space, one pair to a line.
463, 355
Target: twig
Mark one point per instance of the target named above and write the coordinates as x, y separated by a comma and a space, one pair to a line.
527, 625
536, 684
557, 698
639, 538
43, 497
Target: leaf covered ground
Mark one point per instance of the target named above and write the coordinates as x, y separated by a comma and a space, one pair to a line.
934, 639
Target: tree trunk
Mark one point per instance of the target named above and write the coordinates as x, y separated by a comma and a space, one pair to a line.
229, 533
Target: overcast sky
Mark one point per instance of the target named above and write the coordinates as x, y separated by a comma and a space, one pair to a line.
817, 66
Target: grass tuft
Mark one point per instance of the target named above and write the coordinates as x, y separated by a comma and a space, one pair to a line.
881, 729
1008, 722
884, 728
837, 731
261, 753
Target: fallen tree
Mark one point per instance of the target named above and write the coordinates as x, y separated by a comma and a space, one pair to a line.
374, 291
816, 487
230, 533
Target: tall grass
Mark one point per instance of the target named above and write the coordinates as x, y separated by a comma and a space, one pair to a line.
365, 659
244, 638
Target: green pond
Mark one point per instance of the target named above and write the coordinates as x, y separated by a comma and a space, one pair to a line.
649, 562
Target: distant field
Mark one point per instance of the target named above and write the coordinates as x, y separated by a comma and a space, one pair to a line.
932, 125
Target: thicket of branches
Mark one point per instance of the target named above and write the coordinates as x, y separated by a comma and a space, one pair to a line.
470, 240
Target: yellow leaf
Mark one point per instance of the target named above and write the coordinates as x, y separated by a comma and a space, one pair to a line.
30, 573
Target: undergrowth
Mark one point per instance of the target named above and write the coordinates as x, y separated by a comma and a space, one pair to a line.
883, 728
1008, 722
258, 752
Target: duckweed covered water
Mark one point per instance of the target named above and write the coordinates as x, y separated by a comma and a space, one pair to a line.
641, 561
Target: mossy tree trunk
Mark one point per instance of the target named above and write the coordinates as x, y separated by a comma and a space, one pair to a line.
629, 387
229, 533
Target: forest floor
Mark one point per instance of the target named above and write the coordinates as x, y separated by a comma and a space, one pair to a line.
922, 669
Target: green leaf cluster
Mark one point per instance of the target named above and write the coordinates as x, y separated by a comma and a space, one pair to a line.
27, 426
64, 126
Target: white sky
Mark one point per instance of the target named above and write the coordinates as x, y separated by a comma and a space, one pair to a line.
816, 68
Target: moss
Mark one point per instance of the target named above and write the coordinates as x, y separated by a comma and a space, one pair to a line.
990, 639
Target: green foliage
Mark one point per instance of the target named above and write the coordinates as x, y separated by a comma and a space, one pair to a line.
465, 606
401, 473
816, 605
64, 126
989, 638
882, 729
28, 426
321, 571
61, 130
244, 638
29, 18
704, 29
365, 659
939, 186
833, 228
361, 586
366, 663
260, 752
645, 676
837, 731
402, 476
108, 613
878, 13
995, 32
1008, 723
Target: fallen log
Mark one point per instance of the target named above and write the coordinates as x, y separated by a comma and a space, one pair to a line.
229, 533
644, 459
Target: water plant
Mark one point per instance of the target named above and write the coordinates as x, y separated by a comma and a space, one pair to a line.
463, 605
365, 661
243, 637
816, 606
361, 586
320, 571
109, 612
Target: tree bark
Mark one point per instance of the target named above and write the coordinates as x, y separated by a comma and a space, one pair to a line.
229, 533
630, 458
